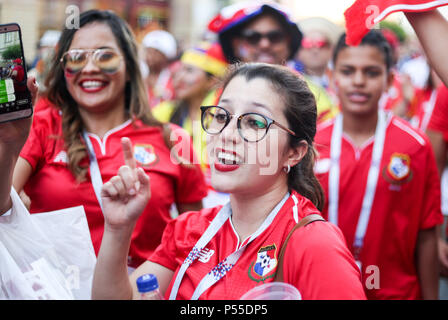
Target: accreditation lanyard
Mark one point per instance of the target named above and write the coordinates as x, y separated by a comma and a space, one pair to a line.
372, 178
95, 173
221, 269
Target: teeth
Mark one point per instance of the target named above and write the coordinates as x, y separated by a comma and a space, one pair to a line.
225, 157
91, 84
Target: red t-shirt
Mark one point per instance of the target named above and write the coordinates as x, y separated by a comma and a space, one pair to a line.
52, 186
317, 261
403, 205
439, 118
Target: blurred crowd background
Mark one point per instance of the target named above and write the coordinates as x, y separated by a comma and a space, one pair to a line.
186, 19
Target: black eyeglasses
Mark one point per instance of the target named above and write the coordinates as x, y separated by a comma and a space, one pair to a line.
252, 126
108, 60
254, 37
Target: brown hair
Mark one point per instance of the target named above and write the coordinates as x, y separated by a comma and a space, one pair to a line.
136, 99
301, 113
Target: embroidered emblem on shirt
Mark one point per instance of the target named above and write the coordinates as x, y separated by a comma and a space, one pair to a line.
266, 263
144, 154
398, 171
205, 255
61, 157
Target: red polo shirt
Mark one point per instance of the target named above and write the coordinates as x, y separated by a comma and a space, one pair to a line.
317, 261
407, 200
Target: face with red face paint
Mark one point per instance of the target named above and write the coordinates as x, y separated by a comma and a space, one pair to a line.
92, 89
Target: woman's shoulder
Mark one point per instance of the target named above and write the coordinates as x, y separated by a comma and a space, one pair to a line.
327, 268
411, 140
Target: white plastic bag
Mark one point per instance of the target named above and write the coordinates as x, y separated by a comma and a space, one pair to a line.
45, 256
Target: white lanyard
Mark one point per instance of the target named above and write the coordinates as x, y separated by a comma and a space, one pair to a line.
95, 173
221, 269
372, 178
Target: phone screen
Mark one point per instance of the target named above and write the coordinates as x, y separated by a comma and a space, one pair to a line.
14, 94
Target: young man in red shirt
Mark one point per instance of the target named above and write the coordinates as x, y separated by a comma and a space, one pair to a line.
380, 179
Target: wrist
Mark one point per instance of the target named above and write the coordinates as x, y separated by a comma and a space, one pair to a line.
119, 229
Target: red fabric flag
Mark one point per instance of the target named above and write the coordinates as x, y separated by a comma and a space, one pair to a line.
363, 15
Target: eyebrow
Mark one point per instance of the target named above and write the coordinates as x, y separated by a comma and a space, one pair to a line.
364, 67
258, 104
255, 104
94, 48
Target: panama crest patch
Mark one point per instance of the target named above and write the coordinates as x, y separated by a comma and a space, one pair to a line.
265, 264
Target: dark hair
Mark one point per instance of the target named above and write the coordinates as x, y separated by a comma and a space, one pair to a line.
374, 38
136, 99
301, 114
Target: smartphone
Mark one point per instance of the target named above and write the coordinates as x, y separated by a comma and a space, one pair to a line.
15, 98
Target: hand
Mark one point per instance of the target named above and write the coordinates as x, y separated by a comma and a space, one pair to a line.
125, 196
443, 257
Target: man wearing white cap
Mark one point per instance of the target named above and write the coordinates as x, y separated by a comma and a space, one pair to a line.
160, 50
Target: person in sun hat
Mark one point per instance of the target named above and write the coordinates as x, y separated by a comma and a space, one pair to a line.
160, 50
256, 32
264, 32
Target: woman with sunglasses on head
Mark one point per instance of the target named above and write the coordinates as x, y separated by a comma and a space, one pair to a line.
260, 145
100, 96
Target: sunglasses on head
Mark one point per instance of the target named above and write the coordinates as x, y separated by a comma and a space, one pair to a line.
254, 37
107, 60
309, 43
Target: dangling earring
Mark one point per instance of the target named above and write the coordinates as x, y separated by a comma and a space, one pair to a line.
287, 169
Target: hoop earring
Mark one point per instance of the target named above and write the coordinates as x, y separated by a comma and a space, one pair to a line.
287, 169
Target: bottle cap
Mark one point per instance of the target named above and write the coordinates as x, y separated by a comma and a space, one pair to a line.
147, 282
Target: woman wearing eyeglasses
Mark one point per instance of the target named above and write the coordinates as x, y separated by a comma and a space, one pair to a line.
260, 145
73, 149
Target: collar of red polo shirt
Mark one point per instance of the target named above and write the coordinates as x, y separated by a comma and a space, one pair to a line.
363, 15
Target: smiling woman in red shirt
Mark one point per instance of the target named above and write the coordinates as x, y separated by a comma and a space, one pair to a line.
260, 146
99, 97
